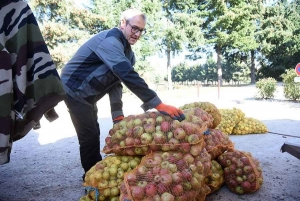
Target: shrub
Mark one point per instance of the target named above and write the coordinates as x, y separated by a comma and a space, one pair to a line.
266, 88
291, 89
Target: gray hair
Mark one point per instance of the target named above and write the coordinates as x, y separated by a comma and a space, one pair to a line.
130, 13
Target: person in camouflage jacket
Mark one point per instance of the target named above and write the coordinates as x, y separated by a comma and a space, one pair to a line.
29, 83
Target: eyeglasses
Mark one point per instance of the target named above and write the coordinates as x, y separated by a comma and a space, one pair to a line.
135, 29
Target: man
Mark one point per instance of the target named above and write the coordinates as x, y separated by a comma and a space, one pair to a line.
98, 68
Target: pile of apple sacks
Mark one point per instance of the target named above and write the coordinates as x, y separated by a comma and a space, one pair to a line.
179, 163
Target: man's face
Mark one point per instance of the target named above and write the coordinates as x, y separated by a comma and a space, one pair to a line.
133, 28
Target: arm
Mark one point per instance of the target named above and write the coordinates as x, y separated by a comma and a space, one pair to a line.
116, 104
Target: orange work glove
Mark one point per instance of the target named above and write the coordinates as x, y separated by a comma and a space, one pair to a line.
171, 111
117, 119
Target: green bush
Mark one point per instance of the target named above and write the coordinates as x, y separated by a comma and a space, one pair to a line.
291, 89
266, 88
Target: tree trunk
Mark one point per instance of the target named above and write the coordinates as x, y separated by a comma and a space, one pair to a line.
169, 69
219, 69
252, 67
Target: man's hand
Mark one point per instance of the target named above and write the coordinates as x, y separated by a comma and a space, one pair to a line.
171, 111
117, 119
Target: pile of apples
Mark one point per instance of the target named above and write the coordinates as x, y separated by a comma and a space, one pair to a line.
230, 117
249, 125
167, 176
242, 172
209, 108
152, 131
216, 179
107, 176
217, 143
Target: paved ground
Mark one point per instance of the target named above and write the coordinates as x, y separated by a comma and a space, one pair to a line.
45, 164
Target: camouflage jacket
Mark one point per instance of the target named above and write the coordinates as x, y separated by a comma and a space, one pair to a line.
29, 82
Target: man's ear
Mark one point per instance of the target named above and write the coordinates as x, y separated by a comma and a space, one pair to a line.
123, 23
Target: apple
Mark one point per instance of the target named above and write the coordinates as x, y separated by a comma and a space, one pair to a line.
103, 183
178, 155
195, 183
120, 174
149, 128
137, 142
146, 138
195, 150
185, 147
130, 151
151, 121
137, 192
137, 122
187, 175
122, 124
187, 186
193, 138
175, 124
151, 190
149, 176
133, 164
108, 141
159, 137
166, 179
165, 126
167, 197
177, 177
174, 143
141, 170
137, 131
172, 167
159, 119
142, 183
165, 164
179, 133
129, 141
161, 188
138, 151
170, 135
131, 177
157, 178
165, 147
124, 166
181, 164
177, 189
122, 143
165, 156
114, 191
106, 192
156, 170
188, 158
106, 175
130, 124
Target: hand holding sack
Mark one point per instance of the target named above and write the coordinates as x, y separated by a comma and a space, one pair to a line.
173, 112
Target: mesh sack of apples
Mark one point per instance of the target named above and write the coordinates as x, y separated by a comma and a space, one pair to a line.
210, 108
249, 125
103, 180
242, 172
230, 117
216, 179
166, 176
152, 131
217, 143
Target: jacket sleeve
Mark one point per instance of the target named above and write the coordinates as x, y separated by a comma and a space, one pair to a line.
116, 104
111, 51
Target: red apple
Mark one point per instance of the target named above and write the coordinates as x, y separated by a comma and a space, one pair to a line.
150, 190
137, 192
165, 126
177, 189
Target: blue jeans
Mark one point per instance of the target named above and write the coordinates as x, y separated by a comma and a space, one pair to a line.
85, 121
